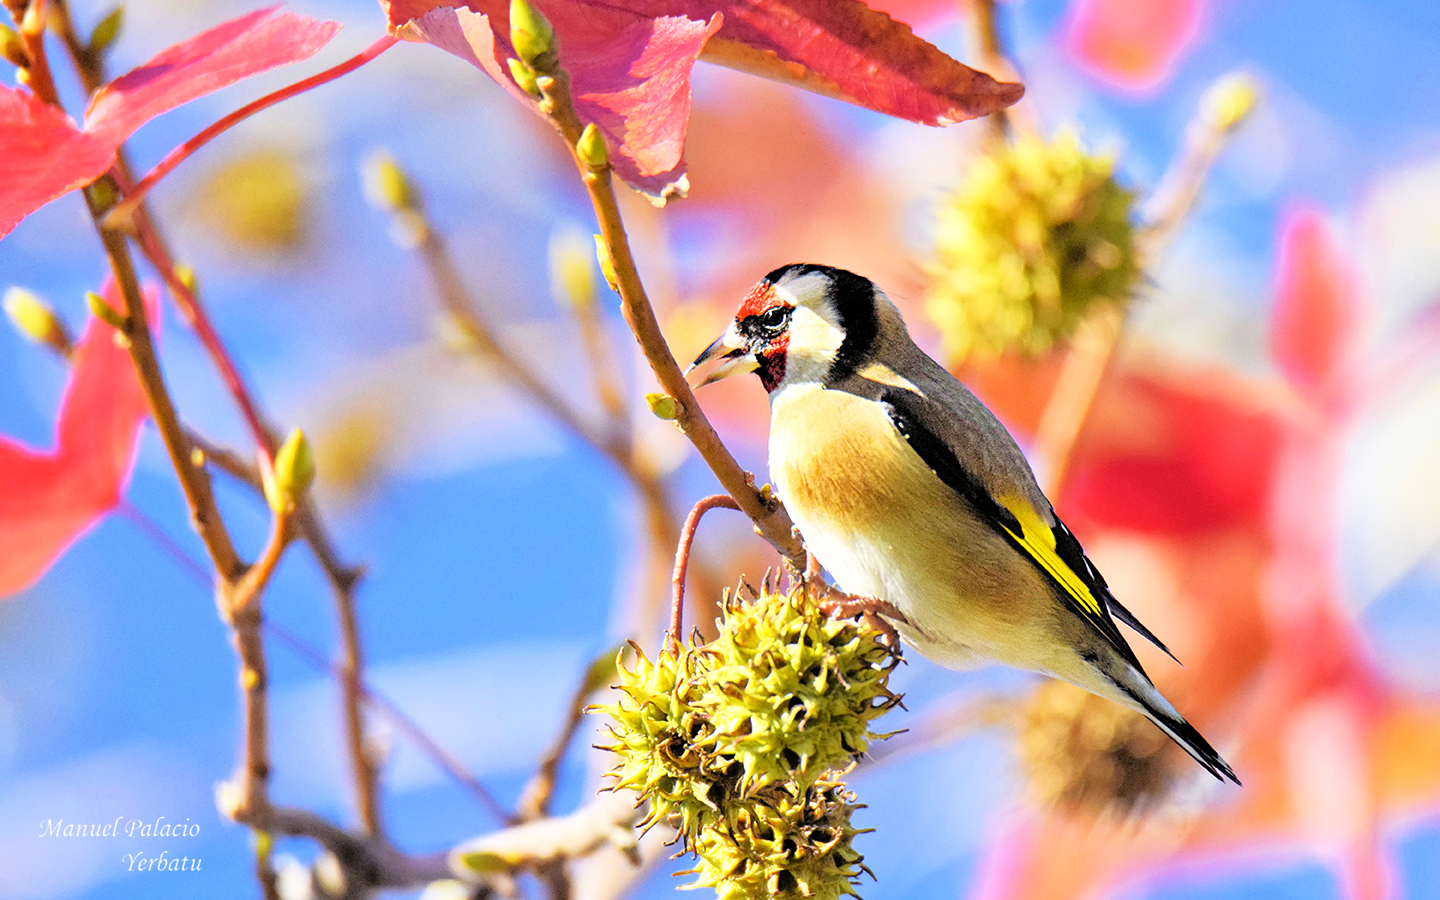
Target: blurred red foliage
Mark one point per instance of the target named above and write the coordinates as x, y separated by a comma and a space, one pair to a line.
1276, 669
46, 156
47, 500
1133, 44
630, 61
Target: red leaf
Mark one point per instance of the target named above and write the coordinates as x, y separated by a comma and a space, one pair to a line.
1168, 457
1133, 44
630, 59
47, 500
1317, 306
46, 155
630, 76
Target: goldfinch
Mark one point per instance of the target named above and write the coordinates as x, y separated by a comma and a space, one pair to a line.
907, 489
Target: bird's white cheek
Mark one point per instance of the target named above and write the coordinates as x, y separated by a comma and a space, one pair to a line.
813, 343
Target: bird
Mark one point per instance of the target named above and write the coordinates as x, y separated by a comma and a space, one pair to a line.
907, 489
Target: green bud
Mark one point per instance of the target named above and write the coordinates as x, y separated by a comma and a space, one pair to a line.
532, 36
591, 147
103, 193
12, 49
663, 406
603, 669
107, 31
185, 274
386, 185
35, 319
31, 22
1229, 101
484, 862
572, 275
291, 474
105, 312
524, 76
607, 265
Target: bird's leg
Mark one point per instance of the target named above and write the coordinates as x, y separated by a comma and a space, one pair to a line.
877, 613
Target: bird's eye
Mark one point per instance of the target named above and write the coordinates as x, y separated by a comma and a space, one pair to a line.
775, 317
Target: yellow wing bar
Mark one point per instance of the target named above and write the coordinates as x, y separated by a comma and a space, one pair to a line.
1039, 541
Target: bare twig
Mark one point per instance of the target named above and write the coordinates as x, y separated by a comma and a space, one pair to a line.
615, 444
682, 557
1223, 109
194, 480
134, 197
769, 515
535, 798
402, 722
343, 578
606, 819
1089, 357
239, 603
382, 704
986, 32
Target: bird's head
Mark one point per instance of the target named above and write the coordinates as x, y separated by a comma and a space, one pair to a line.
802, 323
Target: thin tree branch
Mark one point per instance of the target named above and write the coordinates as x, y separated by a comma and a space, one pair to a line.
992, 60
402, 722
769, 515
1223, 109
240, 608
661, 525
343, 578
137, 194
682, 558
194, 480
535, 798
1088, 358
382, 704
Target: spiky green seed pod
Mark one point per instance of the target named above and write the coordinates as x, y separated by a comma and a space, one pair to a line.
740, 743
782, 845
1039, 235
800, 689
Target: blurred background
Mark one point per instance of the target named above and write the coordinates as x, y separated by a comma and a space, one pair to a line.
1271, 513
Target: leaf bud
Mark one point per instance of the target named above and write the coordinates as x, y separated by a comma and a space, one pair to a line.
533, 37
607, 264
107, 31
386, 185
572, 275
663, 406
37, 320
1230, 101
12, 49
185, 274
524, 76
32, 22
291, 474
591, 147
105, 312
604, 668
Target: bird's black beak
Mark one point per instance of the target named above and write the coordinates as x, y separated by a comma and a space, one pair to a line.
735, 358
